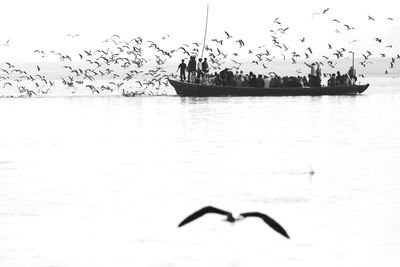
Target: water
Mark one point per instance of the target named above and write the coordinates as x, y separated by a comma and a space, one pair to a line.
104, 181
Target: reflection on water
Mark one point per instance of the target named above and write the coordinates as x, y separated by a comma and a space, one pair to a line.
105, 181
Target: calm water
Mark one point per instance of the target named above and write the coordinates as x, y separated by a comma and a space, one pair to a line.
104, 181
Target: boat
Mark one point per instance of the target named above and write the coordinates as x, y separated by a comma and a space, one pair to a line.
194, 89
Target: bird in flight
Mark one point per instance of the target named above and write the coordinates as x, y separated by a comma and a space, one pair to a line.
276, 20
227, 35
73, 35
229, 217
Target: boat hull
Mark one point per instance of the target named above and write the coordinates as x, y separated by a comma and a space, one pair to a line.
193, 89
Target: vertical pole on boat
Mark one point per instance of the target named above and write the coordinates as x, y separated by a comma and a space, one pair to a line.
353, 59
205, 34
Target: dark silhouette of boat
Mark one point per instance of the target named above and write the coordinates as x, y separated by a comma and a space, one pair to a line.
194, 89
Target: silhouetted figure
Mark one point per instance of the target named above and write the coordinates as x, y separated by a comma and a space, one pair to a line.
182, 67
312, 77
267, 81
230, 78
305, 81
191, 68
199, 69
209, 209
332, 80
353, 75
224, 76
260, 81
339, 78
204, 67
252, 80
245, 82
217, 79
318, 73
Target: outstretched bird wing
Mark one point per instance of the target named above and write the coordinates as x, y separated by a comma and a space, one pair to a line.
268, 220
201, 212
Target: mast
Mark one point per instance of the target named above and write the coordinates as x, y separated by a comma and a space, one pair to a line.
205, 33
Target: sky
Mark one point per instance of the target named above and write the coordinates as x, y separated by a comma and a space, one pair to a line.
44, 24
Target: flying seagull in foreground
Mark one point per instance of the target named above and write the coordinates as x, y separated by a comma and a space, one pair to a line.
209, 209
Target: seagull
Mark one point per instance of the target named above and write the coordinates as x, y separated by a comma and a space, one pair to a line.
325, 10
227, 35
276, 20
4, 85
370, 18
210, 209
73, 35
240, 41
348, 27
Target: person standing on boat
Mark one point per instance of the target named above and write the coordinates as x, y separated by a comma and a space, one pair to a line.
199, 69
191, 68
352, 75
318, 73
204, 68
313, 74
182, 67
267, 81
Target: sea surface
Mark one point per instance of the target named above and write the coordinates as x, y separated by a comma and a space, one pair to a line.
96, 181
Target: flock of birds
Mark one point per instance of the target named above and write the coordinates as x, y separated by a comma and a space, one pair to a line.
120, 65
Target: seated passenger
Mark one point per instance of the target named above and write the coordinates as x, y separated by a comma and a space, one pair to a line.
245, 82
217, 79
346, 80
279, 81
267, 81
295, 82
223, 76
300, 81
285, 82
260, 81
230, 79
305, 81
332, 80
239, 82
252, 80
235, 78
338, 78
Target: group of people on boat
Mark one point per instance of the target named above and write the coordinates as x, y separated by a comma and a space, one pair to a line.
196, 71
199, 73
344, 79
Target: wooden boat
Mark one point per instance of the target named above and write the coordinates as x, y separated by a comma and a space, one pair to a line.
193, 89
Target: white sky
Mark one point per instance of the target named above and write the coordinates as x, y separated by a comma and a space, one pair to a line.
44, 24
